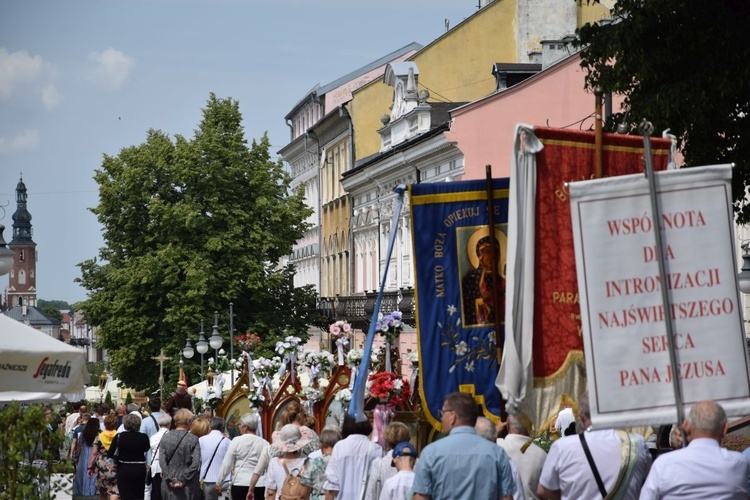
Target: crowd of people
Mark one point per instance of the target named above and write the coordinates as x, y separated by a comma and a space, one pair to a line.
158, 454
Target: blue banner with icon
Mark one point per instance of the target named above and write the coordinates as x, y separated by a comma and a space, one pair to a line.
454, 285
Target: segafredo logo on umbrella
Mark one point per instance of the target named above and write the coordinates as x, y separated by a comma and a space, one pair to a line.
55, 370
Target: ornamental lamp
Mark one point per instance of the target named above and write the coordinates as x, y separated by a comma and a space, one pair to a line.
188, 350
215, 341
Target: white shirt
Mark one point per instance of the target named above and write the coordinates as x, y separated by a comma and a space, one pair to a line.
702, 470
70, 421
380, 471
519, 494
241, 459
155, 440
529, 463
212, 442
398, 486
566, 468
347, 466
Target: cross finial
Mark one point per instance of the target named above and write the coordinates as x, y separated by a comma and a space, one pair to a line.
161, 358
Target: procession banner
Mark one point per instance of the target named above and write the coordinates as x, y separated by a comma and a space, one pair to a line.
453, 282
629, 373
543, 366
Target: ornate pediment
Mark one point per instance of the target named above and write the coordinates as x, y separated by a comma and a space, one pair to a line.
410, 113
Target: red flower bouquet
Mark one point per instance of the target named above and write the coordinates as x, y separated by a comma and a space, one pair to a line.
389, 388
248, 341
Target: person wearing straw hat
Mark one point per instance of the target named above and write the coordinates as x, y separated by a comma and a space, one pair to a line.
290, 461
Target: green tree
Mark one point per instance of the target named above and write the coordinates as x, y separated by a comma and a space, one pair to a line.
57, 304
189, 226
682, 65
50, 310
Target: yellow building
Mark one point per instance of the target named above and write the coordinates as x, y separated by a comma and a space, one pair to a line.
457, 67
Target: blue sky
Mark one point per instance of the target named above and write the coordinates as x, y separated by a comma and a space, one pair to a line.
80, 79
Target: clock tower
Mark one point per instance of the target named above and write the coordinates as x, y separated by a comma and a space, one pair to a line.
21, 289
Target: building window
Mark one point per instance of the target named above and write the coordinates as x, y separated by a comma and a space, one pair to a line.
21, 277
22, 255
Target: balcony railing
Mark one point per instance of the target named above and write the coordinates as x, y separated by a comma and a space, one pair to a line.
358, 309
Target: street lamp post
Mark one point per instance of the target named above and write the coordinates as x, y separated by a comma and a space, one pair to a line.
231, 338
216, 341
201, 346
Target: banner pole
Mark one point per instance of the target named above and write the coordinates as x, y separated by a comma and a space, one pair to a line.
494, 258
646, 129
598, 135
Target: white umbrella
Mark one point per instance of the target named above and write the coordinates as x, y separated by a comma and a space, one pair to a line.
37, 367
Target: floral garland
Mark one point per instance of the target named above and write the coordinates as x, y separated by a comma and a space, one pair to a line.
247, 341
389, 326
340, 329
389, 388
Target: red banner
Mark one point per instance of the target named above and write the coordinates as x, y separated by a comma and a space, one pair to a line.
569, 156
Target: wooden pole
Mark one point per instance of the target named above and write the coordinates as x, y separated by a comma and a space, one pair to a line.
495, 258
598, 134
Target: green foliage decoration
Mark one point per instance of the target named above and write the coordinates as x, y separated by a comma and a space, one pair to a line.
29, 451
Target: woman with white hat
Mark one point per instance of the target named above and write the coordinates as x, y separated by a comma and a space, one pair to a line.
290, 461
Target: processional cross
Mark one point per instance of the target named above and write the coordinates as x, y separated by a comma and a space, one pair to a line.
161, 358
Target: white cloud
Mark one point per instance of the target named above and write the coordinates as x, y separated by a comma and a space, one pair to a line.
112, 68
27, 140
51, 97
18, 68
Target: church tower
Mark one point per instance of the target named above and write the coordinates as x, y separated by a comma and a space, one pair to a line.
21, 289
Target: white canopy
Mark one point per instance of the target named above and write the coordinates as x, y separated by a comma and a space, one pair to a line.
37, 367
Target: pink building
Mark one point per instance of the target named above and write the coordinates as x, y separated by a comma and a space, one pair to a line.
483, 130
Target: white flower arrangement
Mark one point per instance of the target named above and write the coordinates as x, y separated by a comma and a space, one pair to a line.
354, 357
311, 393
375, 354
344, 396
413, 357
290, 345
265, 367
256, 399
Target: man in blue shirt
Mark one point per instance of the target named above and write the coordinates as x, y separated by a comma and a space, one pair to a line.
148, 424
462, 465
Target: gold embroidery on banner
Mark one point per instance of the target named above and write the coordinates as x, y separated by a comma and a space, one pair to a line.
574, 356
587, 145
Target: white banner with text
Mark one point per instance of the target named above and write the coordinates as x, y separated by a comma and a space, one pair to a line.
629, 373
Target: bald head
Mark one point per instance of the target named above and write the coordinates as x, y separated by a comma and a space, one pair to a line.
706, 420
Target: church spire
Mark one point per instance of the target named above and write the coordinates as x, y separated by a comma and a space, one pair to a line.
21, 218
